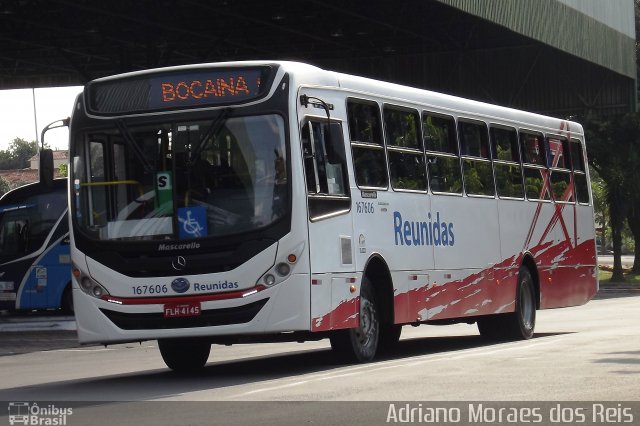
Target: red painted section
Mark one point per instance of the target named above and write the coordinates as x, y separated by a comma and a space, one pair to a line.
562, 283
478, 294
346, 315
489, 291
571, 280
401, 309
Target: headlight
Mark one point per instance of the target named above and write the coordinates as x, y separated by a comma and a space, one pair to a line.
89, 285
86, 284
269, 280
283, 267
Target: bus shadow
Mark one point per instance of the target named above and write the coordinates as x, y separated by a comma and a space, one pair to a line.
420, 346
222, 375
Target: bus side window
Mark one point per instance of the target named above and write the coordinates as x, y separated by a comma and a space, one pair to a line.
14, 236
325, 168
365, 130
506, 162
579, 171
9, 238
441, 145
99, 192
404, 147
324, 158
476, 158
533, 156
560, 169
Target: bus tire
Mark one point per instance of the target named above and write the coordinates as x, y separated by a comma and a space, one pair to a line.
360, 344
184, 355
67, 299
518, 325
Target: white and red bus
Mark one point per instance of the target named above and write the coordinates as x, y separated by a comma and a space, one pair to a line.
253, 201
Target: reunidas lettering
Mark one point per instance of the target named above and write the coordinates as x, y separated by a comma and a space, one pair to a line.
185, 246
423, 233
220, 285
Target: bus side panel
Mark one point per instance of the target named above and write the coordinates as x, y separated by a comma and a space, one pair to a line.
47, 279
517, 229
469, 238
333, 304
397, 231
572, 278
411, 299
12, 278
560, 237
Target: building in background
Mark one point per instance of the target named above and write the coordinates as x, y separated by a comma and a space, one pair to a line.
19, 177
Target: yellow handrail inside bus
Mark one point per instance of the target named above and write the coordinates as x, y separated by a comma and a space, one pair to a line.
116, 182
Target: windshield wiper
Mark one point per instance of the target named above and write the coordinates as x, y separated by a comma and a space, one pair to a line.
124, 130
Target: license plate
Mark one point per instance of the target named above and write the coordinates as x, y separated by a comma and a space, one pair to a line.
175, 310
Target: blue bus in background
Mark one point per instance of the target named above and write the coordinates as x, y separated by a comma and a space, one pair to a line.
35, 266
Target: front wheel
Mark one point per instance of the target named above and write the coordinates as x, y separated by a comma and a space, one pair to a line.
361, 343
516, 325
184, 355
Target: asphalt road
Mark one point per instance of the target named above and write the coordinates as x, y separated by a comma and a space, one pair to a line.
586, 353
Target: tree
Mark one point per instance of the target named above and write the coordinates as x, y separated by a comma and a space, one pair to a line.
18, 154
4, 186
600, 206
633, 210
63, 170
614, 147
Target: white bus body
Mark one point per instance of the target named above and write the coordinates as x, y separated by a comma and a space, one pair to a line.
429, 246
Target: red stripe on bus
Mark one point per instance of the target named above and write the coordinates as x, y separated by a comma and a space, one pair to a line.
183, 299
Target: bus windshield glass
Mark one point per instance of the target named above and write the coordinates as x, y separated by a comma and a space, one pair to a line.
180, 180
25, 226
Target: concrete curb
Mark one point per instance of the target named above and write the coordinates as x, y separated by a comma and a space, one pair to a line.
41, 323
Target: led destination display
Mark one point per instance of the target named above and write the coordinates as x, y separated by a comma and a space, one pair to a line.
177, 90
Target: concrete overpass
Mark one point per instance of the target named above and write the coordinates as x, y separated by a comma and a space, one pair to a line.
559, 57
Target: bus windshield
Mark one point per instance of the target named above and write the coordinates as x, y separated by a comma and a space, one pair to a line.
180, 179
25, 226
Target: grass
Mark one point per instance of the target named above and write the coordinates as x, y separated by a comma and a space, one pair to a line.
604, 276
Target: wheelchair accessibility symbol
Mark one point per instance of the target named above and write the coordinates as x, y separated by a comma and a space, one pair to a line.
192, 222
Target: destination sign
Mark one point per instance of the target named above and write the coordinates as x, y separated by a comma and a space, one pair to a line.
206, 88
157, 92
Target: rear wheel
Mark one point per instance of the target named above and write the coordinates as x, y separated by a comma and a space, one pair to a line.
184, 355
516, 325
360, 343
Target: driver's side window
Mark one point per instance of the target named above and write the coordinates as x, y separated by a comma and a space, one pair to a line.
325, 168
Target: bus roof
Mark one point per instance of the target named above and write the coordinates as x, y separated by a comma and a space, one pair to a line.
310, 75
15, 195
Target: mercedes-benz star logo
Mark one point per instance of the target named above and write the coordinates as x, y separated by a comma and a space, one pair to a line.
179, 263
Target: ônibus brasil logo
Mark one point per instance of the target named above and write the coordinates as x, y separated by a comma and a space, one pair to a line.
27, 413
